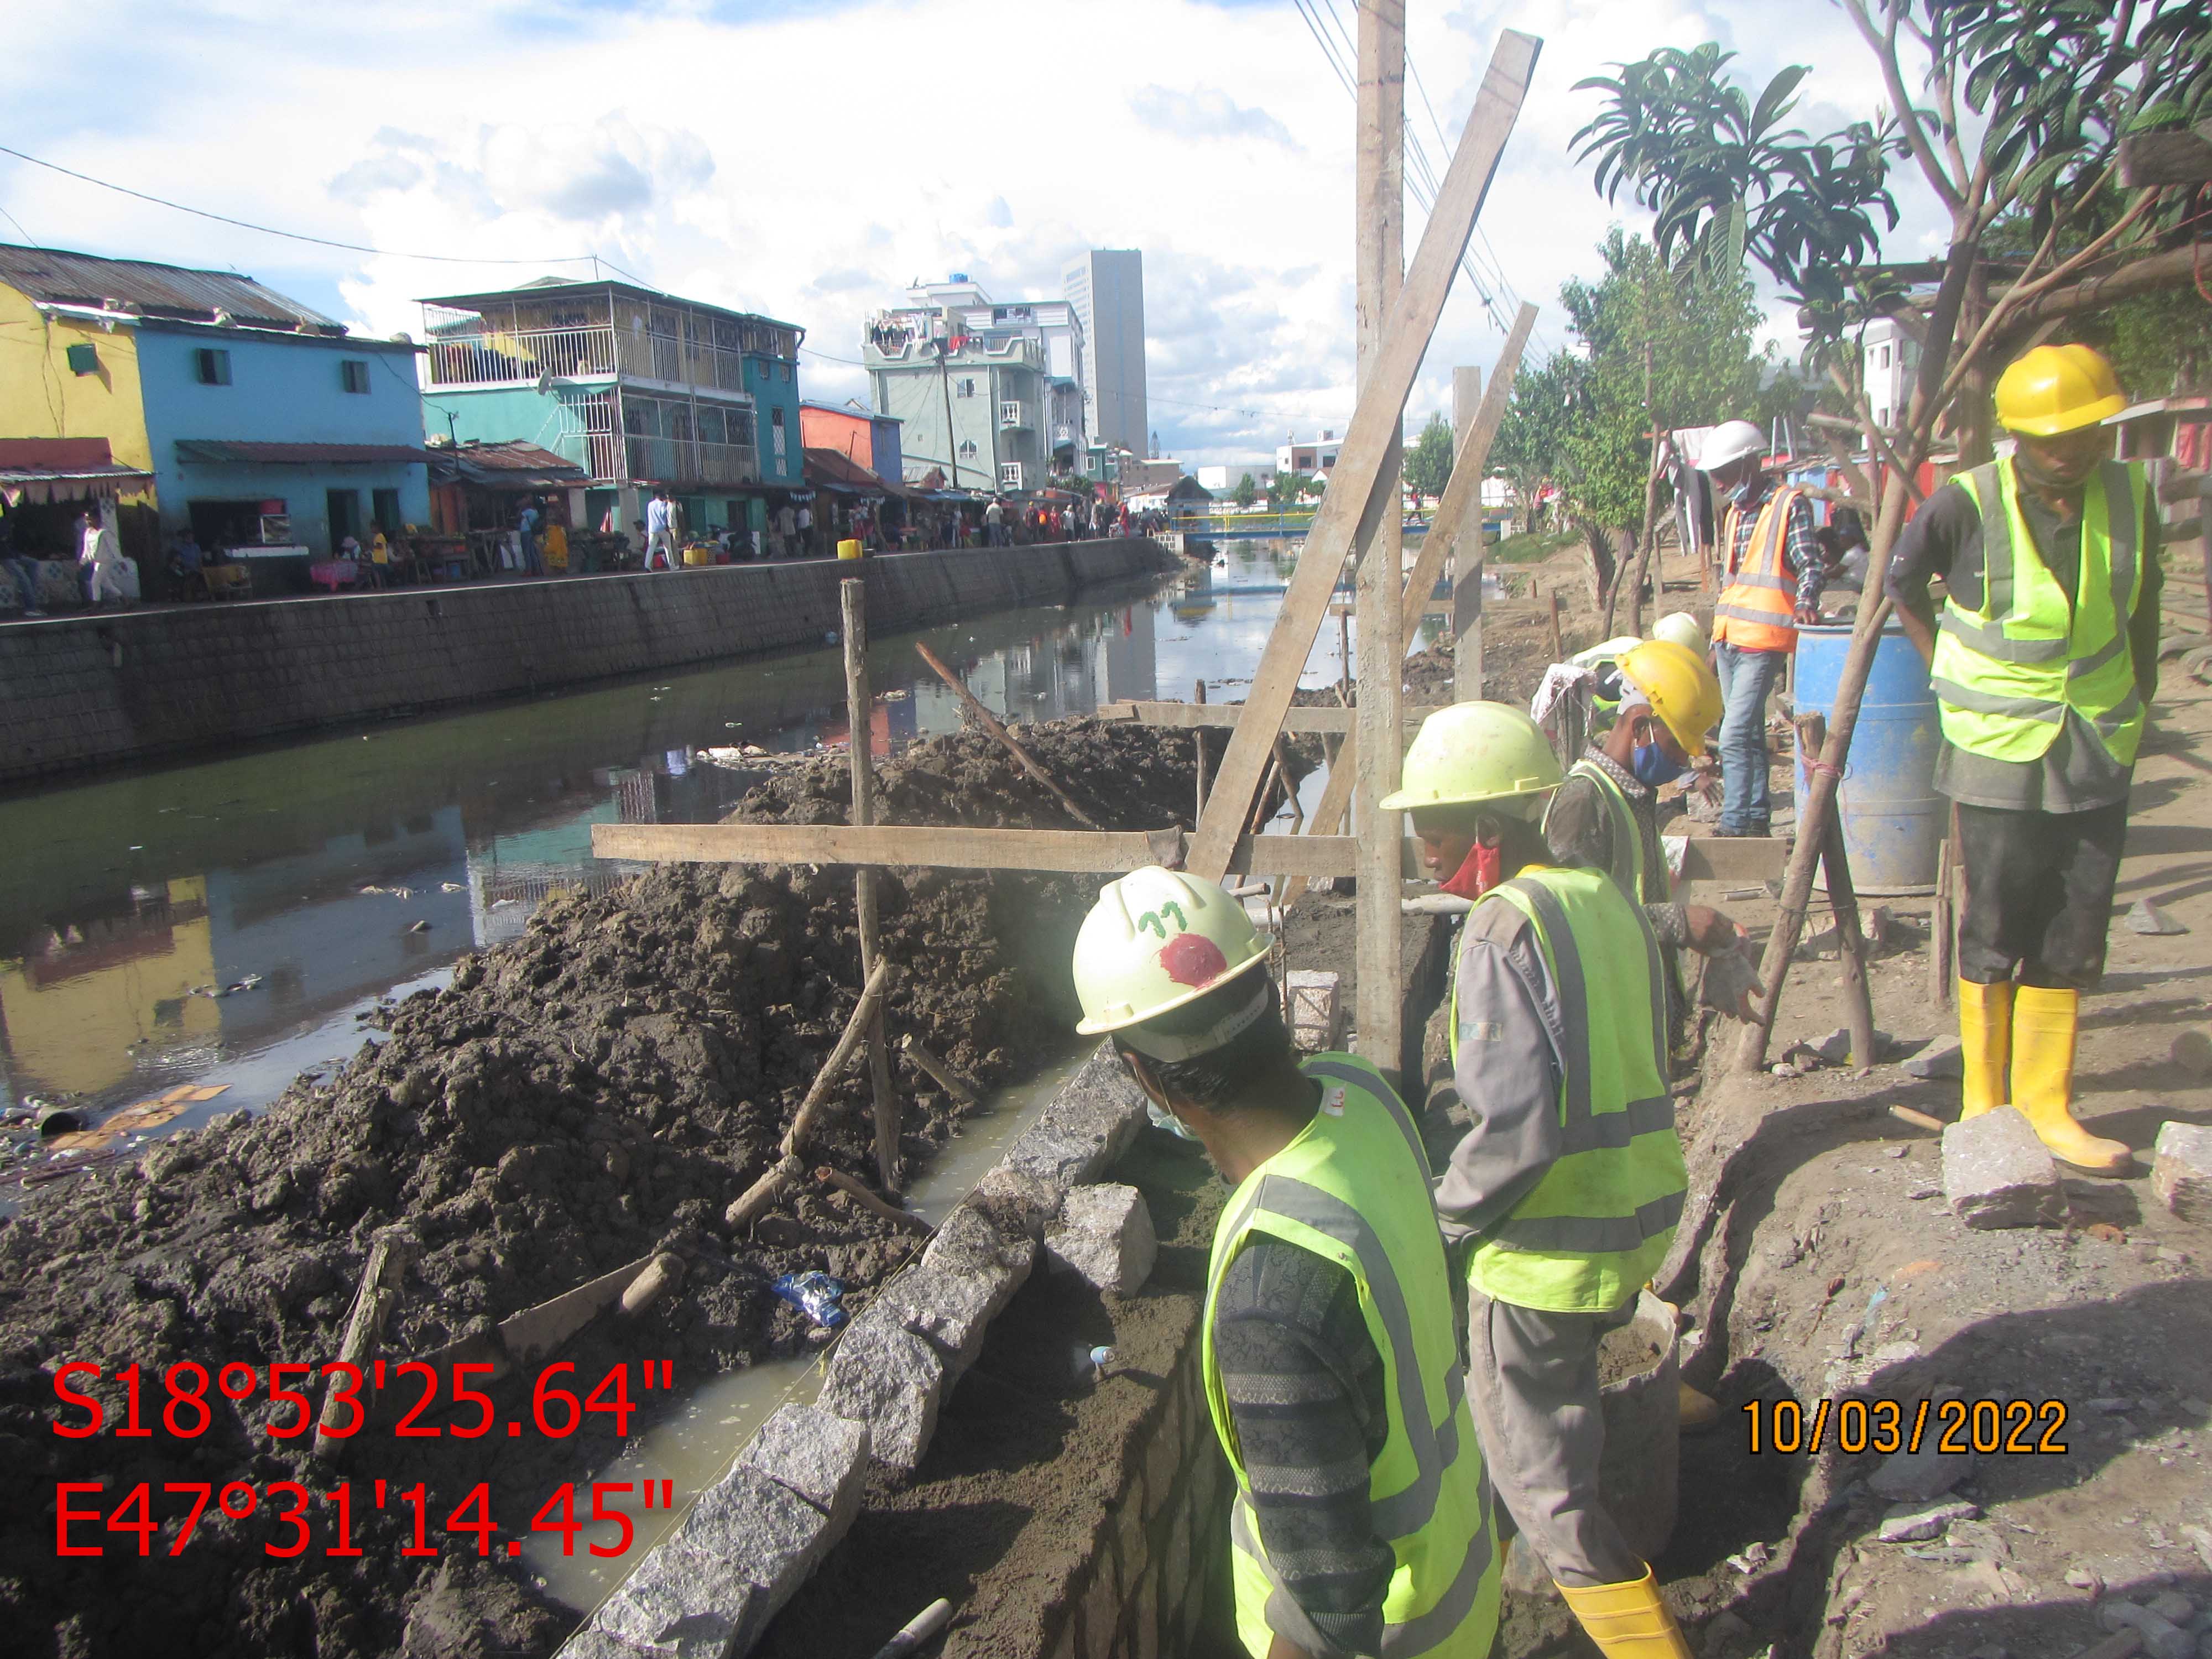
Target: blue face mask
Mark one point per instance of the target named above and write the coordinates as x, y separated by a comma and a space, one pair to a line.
1653, 765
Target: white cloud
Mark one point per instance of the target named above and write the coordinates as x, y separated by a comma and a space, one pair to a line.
812, 161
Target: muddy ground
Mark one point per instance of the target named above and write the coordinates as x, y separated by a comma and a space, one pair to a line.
595, 1090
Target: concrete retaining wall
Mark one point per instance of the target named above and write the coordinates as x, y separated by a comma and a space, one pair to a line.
97, 690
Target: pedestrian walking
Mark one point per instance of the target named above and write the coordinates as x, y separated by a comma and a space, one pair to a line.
2045, 658
1775, 572
1566, 1191
805, 527
1360, 1521
660, 531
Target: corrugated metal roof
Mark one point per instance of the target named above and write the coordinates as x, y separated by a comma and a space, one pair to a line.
58, 278
231, 452
509, 464
65, 469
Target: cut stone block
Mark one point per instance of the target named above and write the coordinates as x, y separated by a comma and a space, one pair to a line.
2181, 1170
1919, 1476
1941, 1058
753, 1530
1316, 1008
1997, 1174
680, 1605
819, 1454
951, 1306
1908, 1524
1085, 1126
1104, 1235
884, 1375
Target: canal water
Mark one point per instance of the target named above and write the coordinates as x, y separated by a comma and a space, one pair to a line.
320, 876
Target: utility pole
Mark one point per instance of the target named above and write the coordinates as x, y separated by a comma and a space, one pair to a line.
951, 438
1379, 204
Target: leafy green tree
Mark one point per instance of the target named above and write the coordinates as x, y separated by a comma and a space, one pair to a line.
1247, 491
1429, 462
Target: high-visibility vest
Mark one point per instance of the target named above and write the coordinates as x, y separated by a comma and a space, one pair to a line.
1353, 1187
1643, 883
2006, 675
1757, 607
1592, 1230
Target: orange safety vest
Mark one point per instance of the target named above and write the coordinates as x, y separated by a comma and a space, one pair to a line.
1756, 609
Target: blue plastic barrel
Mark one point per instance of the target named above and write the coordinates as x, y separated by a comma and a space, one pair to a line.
1893, 819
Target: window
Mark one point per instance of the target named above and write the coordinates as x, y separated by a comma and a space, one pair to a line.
84, 358
344, 507
967, 449
787, 373
354, 371
386, 510
1010, 475
963, 388
1884, 358
212, 366
776, 433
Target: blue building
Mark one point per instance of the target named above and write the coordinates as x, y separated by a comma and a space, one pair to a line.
264, 424
636, 386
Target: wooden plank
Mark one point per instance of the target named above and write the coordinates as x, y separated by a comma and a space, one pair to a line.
2150, 159
1089, 852
1734, 858
1375, 425
1224, 715
1379, 266
1460, 506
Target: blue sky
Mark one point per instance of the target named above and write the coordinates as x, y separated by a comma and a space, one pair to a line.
811, 159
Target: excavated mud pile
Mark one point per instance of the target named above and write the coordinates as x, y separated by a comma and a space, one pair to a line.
595, 1090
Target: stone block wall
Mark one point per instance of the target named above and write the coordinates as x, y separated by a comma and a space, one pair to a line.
1156, 1585
106, 689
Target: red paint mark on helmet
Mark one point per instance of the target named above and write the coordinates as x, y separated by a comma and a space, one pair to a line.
1192, 959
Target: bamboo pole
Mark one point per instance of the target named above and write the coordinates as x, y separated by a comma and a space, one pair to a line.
787, 1167
838, 1180
990, 723
859, 706
945, 1076
1199, 696
388, 1256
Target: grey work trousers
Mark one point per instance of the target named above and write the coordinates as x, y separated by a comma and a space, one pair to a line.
1532, 1384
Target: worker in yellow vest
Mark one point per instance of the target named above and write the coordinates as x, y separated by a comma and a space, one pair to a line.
1361, 1523
1567, 1190
2045, 658
1775, 572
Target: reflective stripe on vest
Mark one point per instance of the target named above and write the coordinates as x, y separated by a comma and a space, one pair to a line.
1592, 1229
1757, 609
2005, 676
1353, 1187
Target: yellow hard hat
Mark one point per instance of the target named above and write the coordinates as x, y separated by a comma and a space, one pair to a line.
1477, 752
1682, 690
2054, 389
1156, 939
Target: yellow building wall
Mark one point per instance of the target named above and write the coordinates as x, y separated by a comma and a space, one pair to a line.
75, 1035
41, 397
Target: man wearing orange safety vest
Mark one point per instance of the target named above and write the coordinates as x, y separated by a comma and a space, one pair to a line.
1775, 572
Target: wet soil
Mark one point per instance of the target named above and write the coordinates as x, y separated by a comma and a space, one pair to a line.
595, 1090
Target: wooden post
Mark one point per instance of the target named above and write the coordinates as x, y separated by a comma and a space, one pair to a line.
1198, 735
1344, 657
1843, 904
990, 723
1559, 649
945, 1076
1376, 426
1378, 205
787, 1167
852, 596
389, 1254
1456, 528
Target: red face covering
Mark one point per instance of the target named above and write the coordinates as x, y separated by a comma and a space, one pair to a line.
1478, 874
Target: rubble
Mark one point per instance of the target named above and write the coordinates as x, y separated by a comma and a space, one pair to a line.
1941, 1058
1916, 1476
1909, 1523
1997, 1174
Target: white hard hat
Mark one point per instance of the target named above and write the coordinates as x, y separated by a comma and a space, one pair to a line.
1731, 440
1156, 940
1682, 628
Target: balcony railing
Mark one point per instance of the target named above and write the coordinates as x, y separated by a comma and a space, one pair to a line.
498, 358
688, 461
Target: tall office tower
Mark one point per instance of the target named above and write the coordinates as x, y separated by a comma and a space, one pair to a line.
1106, 288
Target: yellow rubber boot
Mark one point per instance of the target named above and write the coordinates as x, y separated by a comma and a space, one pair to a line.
1628, 1621
2044, 1024
1985, 1019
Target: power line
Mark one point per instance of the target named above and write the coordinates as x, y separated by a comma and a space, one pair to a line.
294, 236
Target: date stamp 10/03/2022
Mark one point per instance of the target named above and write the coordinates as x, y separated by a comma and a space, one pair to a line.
1989, 1427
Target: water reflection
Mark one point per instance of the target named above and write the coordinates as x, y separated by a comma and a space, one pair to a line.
322, 875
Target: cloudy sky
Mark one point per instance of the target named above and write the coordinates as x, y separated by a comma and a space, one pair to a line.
812, 159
